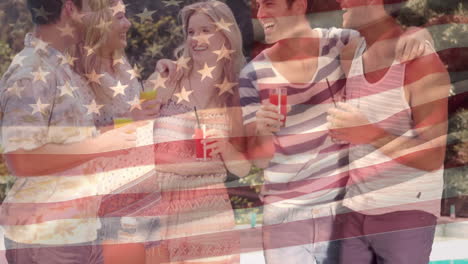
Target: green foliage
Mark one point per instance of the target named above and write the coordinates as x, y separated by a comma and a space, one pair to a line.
6, 180
16, 22
456, 179
247, 203
444, 19
149, 42
6, 54
446, 37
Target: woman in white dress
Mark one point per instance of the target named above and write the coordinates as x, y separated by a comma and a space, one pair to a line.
195, 201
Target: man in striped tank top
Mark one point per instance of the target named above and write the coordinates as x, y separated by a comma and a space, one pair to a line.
395, 119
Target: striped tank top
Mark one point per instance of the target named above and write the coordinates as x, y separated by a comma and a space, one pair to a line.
378, 184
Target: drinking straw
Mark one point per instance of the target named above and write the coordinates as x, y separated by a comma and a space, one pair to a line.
278, 92
331, 93
204, 143
204, 131
196, 115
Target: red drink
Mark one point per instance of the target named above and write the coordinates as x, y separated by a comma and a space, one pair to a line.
279, 97
200, 148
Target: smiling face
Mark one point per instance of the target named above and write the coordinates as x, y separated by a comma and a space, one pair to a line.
203, 38
106, 26
278, 19
117, 35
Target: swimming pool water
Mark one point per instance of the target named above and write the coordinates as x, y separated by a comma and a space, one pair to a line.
456, 261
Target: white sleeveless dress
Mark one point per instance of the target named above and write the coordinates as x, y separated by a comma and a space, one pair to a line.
195, 203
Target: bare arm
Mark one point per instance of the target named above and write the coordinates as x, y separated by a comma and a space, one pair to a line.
428, 89
232, 153
54, 158
260, 143
427, 86
414, 43
260, 148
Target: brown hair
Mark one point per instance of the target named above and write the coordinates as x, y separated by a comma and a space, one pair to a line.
51, 10
309, 5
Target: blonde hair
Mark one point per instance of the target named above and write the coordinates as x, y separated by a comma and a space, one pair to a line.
95, 37
218, 11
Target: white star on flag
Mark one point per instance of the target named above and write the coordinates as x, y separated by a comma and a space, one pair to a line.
118, 61
203, 38
202, 9
78, 16
67, 89
15, 89
183, 95
158, 82
66, 30
155, 49
146, 15
94, 77
223, 25
135, 103
40, 75
39, 107
67, 59
40, 12
206, 71
223, 53
119, 89
18, 60
226, 86
172, 3
182, 62
119, 7
104, 25
40, 45
93, 108
89, 50
178, 32
135, 72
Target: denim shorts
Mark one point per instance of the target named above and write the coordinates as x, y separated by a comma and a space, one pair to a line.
18, 253
403, 237
299, 234
131, 230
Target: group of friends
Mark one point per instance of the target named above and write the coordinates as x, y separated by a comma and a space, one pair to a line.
352, 162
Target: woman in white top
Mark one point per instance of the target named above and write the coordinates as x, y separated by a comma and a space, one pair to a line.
127, 182
194, 197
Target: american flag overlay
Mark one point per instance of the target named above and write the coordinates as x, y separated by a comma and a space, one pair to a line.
311, 131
